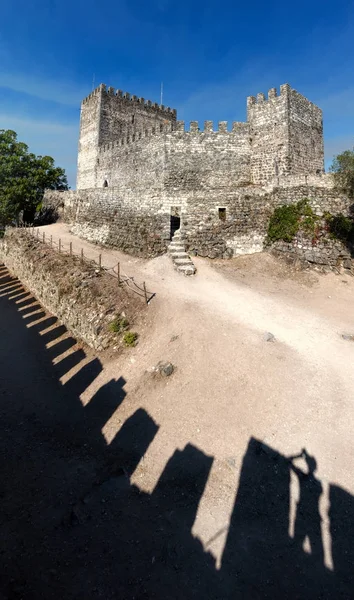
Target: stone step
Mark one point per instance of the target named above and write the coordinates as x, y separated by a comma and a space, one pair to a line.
176, 243
174, 249
187, 269
182, 261
179, 254
179, 248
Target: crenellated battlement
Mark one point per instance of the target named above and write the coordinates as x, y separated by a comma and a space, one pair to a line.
272, 95
132, 135
129, 99
222, 127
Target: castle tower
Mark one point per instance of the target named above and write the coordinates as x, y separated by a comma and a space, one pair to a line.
286, 135
109, 115
89, 139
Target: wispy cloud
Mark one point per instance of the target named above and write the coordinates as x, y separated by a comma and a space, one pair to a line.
52, 90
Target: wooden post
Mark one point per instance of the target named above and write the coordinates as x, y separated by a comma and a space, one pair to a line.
43, 237
51, 240
59, 245
99, 262
37, 234
118, 272
145, 292
71, 248
82, 255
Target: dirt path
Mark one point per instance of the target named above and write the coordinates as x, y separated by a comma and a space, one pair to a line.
231, 386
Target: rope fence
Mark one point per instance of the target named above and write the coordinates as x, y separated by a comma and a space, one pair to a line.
116, 271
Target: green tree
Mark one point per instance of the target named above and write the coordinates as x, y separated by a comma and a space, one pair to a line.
343, 171
23, 179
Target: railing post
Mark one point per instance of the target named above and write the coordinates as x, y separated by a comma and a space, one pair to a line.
51, 240
145, 293
43, 237
82, 255
118, 272
71, 248
99, 262
37, 234
59, 245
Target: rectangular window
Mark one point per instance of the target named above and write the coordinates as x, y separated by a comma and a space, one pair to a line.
222, 214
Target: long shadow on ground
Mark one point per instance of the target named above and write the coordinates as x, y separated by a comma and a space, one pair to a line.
73, 526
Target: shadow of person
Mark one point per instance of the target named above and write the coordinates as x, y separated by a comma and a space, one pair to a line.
308, 518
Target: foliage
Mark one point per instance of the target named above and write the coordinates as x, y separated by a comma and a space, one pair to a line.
286, 221
130, 338
343, 171
23, 179
340, 227
119, 324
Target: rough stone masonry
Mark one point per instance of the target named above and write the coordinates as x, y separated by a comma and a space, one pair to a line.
140, 172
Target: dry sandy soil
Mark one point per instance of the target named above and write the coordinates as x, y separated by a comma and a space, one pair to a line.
221, 427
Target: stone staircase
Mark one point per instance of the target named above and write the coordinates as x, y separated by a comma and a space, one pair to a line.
181, 261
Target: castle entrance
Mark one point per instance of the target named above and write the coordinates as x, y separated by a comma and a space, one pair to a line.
175, 220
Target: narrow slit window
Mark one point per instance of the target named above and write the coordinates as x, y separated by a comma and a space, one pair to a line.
105, 183
222, 214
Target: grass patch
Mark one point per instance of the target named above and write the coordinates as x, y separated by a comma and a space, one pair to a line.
118, 324
130, 338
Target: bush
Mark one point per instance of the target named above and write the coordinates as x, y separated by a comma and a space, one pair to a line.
130, 338
343, 172
286, 221
341, 227
119, 324
283, 224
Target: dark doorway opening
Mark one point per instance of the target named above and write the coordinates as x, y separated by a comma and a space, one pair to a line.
222, 214
175, 219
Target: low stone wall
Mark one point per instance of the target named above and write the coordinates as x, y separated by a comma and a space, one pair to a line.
138, 225
82, 301
324, 252
215, 223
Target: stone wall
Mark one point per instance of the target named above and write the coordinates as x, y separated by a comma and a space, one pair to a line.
286, 134
83, 302
116, 218
138, 221
306, 152
110, 119
323, 252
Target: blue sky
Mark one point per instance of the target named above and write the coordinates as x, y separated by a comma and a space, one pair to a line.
210, 56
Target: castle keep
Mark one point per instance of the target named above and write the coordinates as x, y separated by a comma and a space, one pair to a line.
141, 174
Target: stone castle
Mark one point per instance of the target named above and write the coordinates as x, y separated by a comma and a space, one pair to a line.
125, 140
141, 175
